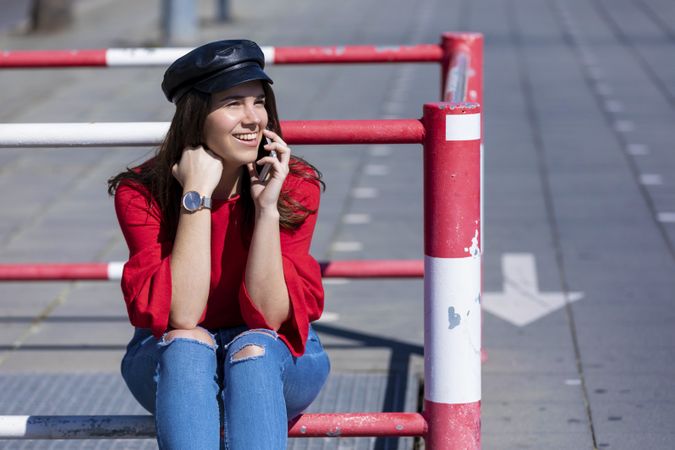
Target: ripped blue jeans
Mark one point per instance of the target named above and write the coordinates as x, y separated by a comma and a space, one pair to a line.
207, 397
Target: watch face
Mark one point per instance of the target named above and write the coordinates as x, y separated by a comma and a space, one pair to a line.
192, 201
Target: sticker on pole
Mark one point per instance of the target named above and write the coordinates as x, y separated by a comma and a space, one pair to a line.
462, 127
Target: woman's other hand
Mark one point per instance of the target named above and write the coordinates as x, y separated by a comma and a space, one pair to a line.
265, 194
198, 170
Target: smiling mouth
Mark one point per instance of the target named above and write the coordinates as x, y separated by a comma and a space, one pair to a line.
246, 137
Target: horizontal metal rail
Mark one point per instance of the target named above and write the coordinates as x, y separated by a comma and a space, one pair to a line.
382, 268
139, 427
162, 57
133, 134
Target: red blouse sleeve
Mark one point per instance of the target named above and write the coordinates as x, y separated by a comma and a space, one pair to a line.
146, 280
301, 273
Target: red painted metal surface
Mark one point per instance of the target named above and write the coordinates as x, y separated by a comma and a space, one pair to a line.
384, 268
462, 66
425, 53
45, 59
452, 427
358, 424
53, 272
451, 191
393, 131
350, 54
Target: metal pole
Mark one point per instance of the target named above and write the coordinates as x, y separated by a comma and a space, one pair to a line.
374, 268
131, 134
179, 21
452, 283
223, 13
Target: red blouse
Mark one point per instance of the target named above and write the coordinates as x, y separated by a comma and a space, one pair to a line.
146, 280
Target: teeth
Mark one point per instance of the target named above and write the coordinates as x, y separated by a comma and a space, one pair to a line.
246, 137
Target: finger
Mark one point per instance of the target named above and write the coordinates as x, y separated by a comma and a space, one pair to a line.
267, 160
252, 171
273, 136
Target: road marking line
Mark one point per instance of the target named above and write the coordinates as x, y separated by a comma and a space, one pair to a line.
624, 126
335, 281
603, 88
347, 246
651, 179
376, 169
364, 192
613, 106
355, 218
328, 317
638, 149
668, 217
380, 150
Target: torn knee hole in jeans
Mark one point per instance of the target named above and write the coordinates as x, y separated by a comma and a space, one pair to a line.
250, 351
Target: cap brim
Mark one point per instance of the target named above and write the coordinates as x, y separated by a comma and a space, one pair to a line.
225, 80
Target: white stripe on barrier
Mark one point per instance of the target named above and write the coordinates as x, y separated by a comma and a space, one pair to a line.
13, 426
452, 324
462, 127
82, 134
76, 427
143, 56
115, 270
268, 51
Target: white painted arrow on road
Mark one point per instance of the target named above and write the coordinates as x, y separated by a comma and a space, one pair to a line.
521, 303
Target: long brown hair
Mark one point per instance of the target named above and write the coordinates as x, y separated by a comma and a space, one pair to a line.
187, 130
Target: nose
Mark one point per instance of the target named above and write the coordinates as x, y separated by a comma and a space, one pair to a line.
251, 115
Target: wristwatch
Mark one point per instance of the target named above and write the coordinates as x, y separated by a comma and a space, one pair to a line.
192, 201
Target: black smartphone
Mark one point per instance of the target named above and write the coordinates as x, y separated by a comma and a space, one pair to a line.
266, 168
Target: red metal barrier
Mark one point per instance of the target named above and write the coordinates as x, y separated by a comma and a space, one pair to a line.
121, 134
385, 268
426, 53
451, 135
147, 57
358, 425
452, 281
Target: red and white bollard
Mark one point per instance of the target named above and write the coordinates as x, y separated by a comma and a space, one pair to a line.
462, 67
452, 283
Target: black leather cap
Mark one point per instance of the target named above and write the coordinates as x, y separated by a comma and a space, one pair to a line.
214, 67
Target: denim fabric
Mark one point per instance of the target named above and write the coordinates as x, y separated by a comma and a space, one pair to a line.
208, 397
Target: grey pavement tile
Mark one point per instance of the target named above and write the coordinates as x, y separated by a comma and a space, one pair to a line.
607, 385
533, 387
64, 360
542, 416
612, 417
628, 441
511, 440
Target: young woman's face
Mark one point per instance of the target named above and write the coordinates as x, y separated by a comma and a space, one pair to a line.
233, 128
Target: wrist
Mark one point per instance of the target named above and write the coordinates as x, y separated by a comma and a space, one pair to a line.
202, 190
267, 213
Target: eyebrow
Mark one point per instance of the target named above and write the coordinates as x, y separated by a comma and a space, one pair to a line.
239, 97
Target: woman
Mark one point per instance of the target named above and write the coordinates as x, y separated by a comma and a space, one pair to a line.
220, 284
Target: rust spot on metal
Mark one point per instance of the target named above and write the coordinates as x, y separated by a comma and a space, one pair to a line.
336, 433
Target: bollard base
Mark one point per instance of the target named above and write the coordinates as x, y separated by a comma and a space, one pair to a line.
452, 426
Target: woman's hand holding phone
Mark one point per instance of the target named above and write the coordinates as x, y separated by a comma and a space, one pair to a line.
266, 184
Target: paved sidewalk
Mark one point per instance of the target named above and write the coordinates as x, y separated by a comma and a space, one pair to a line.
579, 205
